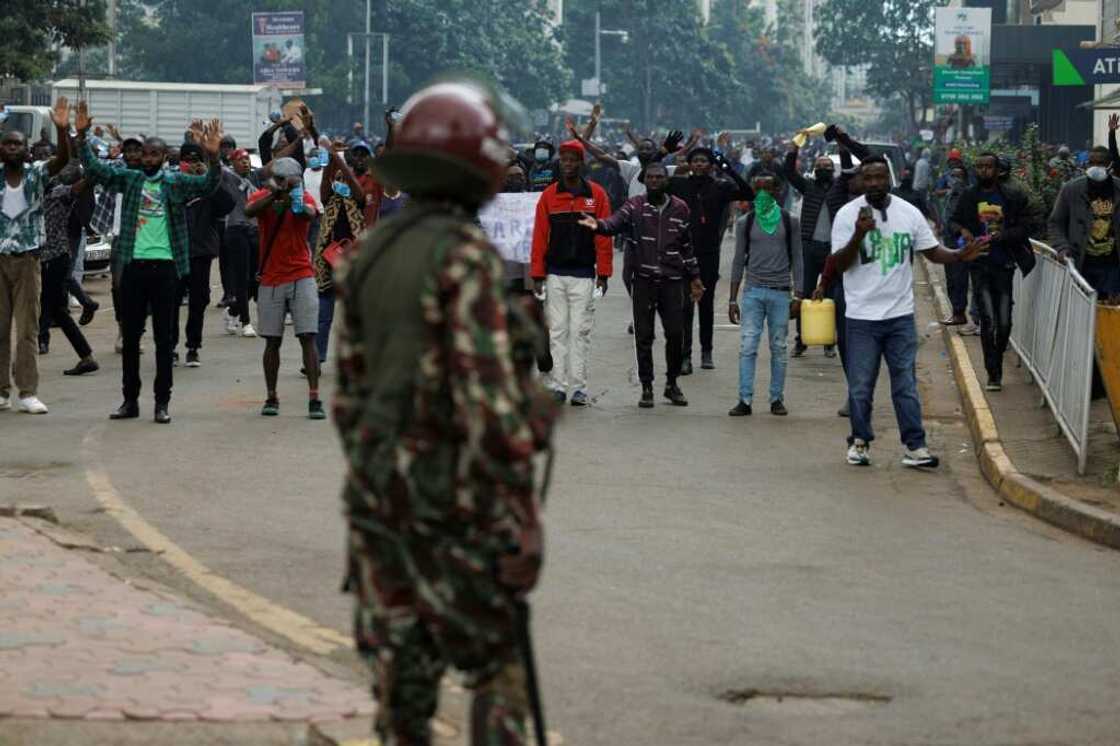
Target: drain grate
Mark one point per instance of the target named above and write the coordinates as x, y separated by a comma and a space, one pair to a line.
804, 703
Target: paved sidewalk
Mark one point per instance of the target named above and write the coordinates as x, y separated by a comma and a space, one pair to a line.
76, 642
1040, 473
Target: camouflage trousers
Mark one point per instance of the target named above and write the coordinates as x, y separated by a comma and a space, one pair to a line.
424, 603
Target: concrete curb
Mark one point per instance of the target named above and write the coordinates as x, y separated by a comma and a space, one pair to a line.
1016, 488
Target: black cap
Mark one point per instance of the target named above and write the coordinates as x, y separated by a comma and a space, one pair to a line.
188, 149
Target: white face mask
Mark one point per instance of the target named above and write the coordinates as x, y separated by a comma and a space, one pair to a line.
1097, 173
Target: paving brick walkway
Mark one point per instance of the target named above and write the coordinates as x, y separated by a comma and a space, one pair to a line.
77, 642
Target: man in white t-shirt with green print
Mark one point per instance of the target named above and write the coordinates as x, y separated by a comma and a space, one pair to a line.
874, 238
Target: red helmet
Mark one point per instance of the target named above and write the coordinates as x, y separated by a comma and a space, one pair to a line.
451, 142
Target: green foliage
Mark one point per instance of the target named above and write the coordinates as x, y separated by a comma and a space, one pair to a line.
32, 29
894, 38
1030, 170
676, 72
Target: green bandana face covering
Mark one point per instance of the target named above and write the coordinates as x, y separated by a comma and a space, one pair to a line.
766, 212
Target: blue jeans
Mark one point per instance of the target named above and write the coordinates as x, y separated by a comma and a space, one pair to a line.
868, 343
771, 306
326, 318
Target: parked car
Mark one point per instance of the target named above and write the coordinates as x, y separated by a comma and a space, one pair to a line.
97, 255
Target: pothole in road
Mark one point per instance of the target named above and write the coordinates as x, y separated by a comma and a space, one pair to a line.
803, 703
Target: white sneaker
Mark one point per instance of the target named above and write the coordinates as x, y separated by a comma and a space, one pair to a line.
919, 457
119, 346
233, 324
248, 331
74, 302
5, 403
288, 319
32, 405
859, 453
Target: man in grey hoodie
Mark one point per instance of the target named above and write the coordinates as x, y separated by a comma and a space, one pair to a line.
768, 249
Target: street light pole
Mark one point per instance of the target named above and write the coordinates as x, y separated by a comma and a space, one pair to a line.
598, 56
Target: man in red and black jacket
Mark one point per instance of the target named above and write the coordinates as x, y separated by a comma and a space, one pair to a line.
568, 262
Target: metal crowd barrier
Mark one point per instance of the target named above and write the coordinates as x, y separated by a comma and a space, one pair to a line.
1054, 326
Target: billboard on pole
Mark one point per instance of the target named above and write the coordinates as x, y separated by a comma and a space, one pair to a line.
962, 56
278, 51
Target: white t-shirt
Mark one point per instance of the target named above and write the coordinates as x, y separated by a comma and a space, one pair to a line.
312, 183
880, 284
15, 201
630, 171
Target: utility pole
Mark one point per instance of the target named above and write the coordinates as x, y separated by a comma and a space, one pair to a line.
365, 120
112, 18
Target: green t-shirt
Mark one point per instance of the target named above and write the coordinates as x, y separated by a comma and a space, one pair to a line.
153, 240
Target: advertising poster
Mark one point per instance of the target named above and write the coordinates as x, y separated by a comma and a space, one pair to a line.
962, 56
278, 50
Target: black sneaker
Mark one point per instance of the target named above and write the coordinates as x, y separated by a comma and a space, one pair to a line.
674, 394
686, 368
579, 399
559, 397
315, 410
192, 359
741, 409
798, 350
83, 367
88, 312
161, 415
706, 361
44, 348
646, 402
129, 410
994, 384
271, 408
779, 409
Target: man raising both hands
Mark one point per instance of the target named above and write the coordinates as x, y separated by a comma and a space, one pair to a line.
153, 251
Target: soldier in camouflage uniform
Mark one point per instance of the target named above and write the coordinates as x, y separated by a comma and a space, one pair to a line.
440, 418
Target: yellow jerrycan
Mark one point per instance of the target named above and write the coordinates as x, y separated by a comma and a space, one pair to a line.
818, 322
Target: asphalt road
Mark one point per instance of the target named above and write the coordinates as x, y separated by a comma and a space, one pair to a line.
693, 558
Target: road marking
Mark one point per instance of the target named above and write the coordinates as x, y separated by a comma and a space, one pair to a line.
294, 627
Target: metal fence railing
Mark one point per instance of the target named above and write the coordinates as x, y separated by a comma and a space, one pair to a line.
1053, 331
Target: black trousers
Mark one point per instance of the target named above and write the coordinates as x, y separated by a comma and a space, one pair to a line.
54, 306
993, 287
709, 275
666, 299
148, 287
241, 257
196, 286
814, 254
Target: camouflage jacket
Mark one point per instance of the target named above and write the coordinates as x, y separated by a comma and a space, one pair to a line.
436, 403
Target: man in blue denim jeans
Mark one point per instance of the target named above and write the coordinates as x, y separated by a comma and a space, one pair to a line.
874, 239
768, 247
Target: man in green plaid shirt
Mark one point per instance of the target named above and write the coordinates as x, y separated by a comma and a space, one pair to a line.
153, 251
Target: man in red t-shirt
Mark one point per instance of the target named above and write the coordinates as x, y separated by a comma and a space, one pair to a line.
287, 282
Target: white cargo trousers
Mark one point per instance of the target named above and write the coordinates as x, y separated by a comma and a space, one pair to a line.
570, 307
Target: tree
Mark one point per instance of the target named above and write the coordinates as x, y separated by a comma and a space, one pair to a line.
670, 73
894, 38
34, 30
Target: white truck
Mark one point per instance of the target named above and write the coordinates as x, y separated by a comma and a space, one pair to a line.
158, 109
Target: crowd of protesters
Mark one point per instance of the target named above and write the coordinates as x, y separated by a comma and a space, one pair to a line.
813, 217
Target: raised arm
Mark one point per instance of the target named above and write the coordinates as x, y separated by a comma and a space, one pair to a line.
96, 170
60, 116
335, 164
210, 142
596, 152
790, 170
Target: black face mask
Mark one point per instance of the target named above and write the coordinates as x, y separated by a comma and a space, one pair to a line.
150, 172
824, 175
655, 195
